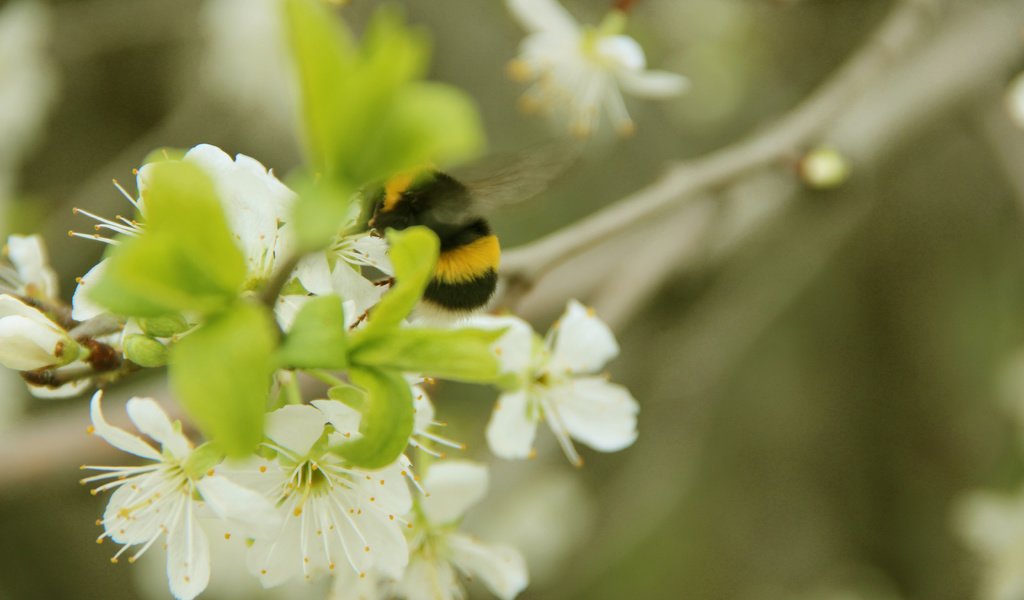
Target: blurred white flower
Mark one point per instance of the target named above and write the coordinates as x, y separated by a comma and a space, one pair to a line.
582, 71
557, 385
330, 512
245, 61
1015, 100
30, 273
162, 498
993, 526
30, 340
28, 82
438, 548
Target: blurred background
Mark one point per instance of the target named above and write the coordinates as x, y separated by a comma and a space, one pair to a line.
825, 375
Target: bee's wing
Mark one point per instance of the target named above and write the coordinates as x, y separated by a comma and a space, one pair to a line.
505, 179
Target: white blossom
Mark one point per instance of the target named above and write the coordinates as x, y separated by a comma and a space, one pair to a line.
582, 71
439, 549
164, 499
557, 384
30, 273
332, 513
30, 340
993, 526
28, 82
256, 205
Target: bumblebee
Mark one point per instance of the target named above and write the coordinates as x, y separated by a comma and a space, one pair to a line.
467, 269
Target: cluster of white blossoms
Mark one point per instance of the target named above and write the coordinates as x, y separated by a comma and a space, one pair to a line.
297, 506
580, 72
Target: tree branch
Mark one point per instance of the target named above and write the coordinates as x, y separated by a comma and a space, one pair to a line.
524, 266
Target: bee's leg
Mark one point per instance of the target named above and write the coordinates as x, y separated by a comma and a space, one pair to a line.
390, 281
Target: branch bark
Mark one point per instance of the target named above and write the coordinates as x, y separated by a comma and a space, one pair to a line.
523, 267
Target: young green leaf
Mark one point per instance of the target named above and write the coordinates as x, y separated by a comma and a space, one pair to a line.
185, 260
457, 354
319, 213
413, 253
387, 420
221, 375
317, 337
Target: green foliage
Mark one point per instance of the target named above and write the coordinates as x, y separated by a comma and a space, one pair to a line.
387, 420
413, 253
458, 354
185, 260
349, 395
165, 326
221, 374
202, 459
365, 114
144, 351
317, 338
319, 212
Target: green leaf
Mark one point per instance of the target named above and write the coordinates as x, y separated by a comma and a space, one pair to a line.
428, 123
324, 54
185, 260
221, 374
202, 459
387, 421
364, 112
413, 253
319, 213
349, 395
317, 338
144, 351
457, 354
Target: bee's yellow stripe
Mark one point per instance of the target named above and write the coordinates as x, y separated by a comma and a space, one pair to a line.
469, 261
394, 187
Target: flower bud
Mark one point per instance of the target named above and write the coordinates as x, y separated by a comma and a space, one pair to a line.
144, 351
29, 340
824, 168
164, 326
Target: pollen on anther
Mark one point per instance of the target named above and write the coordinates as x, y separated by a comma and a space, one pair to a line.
373, 498
362, 575
298, 511
263, 571
366, 548
99, 522
263, 468
90, 430
131, 560
227, 536
382, 482
209, 473
113, 560
391, 517
330, 566
99, 540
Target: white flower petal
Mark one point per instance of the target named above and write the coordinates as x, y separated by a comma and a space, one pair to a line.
13, 307
29, 257
511, 430
296, 428
582, 342
314, 274
151, 420
452, 487
122, 519
344, 418
653, 84
116, 436
501, 568
622, 51
369, 250
600, 414
188, 558
353, 287
389, 549
514, 348
25, 345
544, 16
82, 308
68, 390
388, 488
241, 505
429, 580
275, 561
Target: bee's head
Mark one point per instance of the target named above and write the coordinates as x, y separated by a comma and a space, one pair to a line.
422, 197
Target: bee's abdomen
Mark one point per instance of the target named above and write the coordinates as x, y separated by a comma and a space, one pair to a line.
466, 273
466, 295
